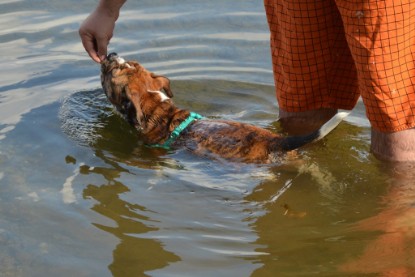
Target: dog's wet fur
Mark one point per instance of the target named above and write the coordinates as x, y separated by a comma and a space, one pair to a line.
144, 99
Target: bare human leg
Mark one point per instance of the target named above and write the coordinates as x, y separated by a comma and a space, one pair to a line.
301, 123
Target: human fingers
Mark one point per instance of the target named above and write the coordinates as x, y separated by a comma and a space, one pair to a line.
90, 47
102, 45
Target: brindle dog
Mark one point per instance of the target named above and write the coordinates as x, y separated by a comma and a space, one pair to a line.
137, 95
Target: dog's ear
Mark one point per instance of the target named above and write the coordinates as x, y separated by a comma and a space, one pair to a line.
136, 101
162, 83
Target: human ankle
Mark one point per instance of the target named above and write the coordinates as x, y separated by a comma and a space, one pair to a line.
396, 146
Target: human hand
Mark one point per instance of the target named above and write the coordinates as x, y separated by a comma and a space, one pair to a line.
96, 32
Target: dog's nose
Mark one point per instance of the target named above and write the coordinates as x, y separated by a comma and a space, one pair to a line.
113, 54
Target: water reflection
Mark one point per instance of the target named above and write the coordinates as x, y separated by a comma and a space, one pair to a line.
133, 256
392, 253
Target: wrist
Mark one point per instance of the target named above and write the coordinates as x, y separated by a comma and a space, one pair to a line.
110, 8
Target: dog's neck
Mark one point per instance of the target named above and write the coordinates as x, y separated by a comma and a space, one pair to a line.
158, 123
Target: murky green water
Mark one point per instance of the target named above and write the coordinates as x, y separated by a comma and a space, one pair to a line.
80, 195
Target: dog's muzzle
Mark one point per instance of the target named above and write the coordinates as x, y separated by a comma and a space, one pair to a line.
114, 57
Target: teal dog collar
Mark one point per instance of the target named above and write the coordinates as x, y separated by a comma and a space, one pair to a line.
177, 131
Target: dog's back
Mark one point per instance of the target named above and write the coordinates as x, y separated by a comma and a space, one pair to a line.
246, 143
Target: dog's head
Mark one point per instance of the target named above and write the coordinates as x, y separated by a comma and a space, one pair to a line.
135, 92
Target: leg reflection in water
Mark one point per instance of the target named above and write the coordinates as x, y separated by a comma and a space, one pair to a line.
393, 252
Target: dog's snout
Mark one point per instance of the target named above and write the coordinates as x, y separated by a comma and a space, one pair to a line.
112, 55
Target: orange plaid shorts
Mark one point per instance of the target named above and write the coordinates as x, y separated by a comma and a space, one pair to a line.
328, 53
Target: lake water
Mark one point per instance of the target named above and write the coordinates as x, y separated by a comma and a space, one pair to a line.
80, 195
